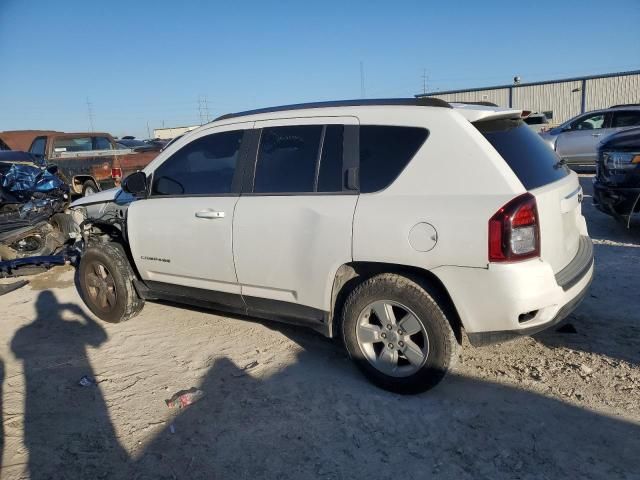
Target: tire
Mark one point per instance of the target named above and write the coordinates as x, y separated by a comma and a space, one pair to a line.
105, 282
424, 351
89, 188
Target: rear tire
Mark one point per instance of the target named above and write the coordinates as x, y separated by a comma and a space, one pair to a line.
105, 282
419, 345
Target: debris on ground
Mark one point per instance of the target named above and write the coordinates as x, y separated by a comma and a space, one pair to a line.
10, 287
184, 398
87, 381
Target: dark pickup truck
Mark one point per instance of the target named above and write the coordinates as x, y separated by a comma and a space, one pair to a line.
616, 186
88, 162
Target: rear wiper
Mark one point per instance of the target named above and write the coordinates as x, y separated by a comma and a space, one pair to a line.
560, 163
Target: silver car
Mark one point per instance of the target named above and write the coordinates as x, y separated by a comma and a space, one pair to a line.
576, 141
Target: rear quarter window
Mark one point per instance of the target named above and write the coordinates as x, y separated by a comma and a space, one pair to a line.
384, 152
530, 158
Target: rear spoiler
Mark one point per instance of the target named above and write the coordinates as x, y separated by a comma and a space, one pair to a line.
475, 112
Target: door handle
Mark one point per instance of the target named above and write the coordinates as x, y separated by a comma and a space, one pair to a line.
209, 214
596, 134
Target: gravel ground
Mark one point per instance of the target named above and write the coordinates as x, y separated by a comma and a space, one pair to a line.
286, 403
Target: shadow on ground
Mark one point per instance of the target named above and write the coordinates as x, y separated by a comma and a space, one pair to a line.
316, 418
608, 321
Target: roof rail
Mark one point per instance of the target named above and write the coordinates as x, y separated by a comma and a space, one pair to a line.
625, 105
485, 104
420, 102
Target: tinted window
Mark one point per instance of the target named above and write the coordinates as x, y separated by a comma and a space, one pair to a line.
533, 162
384, 152
589, 122
287, 159
204, 166
38, 145
628, 118
330, 174
102, 143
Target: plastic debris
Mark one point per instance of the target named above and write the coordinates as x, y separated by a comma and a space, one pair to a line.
172, 428
87, 381
184, 398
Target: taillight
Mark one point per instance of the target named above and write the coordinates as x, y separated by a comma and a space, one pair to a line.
116, 173
514, 231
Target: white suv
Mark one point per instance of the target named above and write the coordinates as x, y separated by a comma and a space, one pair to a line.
393, 224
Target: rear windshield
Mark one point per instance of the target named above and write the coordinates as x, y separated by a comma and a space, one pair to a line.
530, 158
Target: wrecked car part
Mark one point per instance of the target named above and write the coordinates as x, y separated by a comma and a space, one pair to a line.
29, 265
10, 287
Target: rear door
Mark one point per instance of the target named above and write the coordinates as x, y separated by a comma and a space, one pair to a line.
293, 226
556, 188
579, 144
182, 233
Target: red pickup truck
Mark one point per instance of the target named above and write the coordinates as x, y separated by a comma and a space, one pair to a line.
88, 162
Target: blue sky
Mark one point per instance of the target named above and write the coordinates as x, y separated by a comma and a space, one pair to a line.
150, 61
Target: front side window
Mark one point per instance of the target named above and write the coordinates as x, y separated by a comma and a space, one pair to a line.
205, 166
287, 159
626, 118
589, 122
38, 146
384, 152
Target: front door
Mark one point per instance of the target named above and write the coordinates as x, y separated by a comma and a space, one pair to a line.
293, 227
181, 234
579, 144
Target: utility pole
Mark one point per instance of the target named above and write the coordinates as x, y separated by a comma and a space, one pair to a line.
363, 93
424, 81
90, 114
148, 130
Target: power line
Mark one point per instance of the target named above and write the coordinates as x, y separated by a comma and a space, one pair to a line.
424, 81
90, 114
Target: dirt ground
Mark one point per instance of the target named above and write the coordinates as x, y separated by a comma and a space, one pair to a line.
285, 403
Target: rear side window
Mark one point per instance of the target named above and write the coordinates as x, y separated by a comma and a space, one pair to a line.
102, 143
205, 166
287, 159
79, 144
384, 152
626, 118
530, 158
330, 174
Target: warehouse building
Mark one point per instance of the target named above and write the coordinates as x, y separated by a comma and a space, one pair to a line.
172, 132
560, 100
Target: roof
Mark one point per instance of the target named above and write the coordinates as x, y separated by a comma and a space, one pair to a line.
545, 82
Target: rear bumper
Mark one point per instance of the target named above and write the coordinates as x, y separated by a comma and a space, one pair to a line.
506, 301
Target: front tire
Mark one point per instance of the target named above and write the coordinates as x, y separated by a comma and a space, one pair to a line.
89, 188
397, 334
105, 281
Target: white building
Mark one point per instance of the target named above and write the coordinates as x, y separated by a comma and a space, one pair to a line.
560, 99
171, 132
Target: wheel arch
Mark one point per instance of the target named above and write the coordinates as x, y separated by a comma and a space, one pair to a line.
351, 274
78, 181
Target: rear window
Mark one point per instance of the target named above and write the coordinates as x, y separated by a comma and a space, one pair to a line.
530, 158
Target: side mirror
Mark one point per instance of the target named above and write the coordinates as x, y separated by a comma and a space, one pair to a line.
136, 184
52, 169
